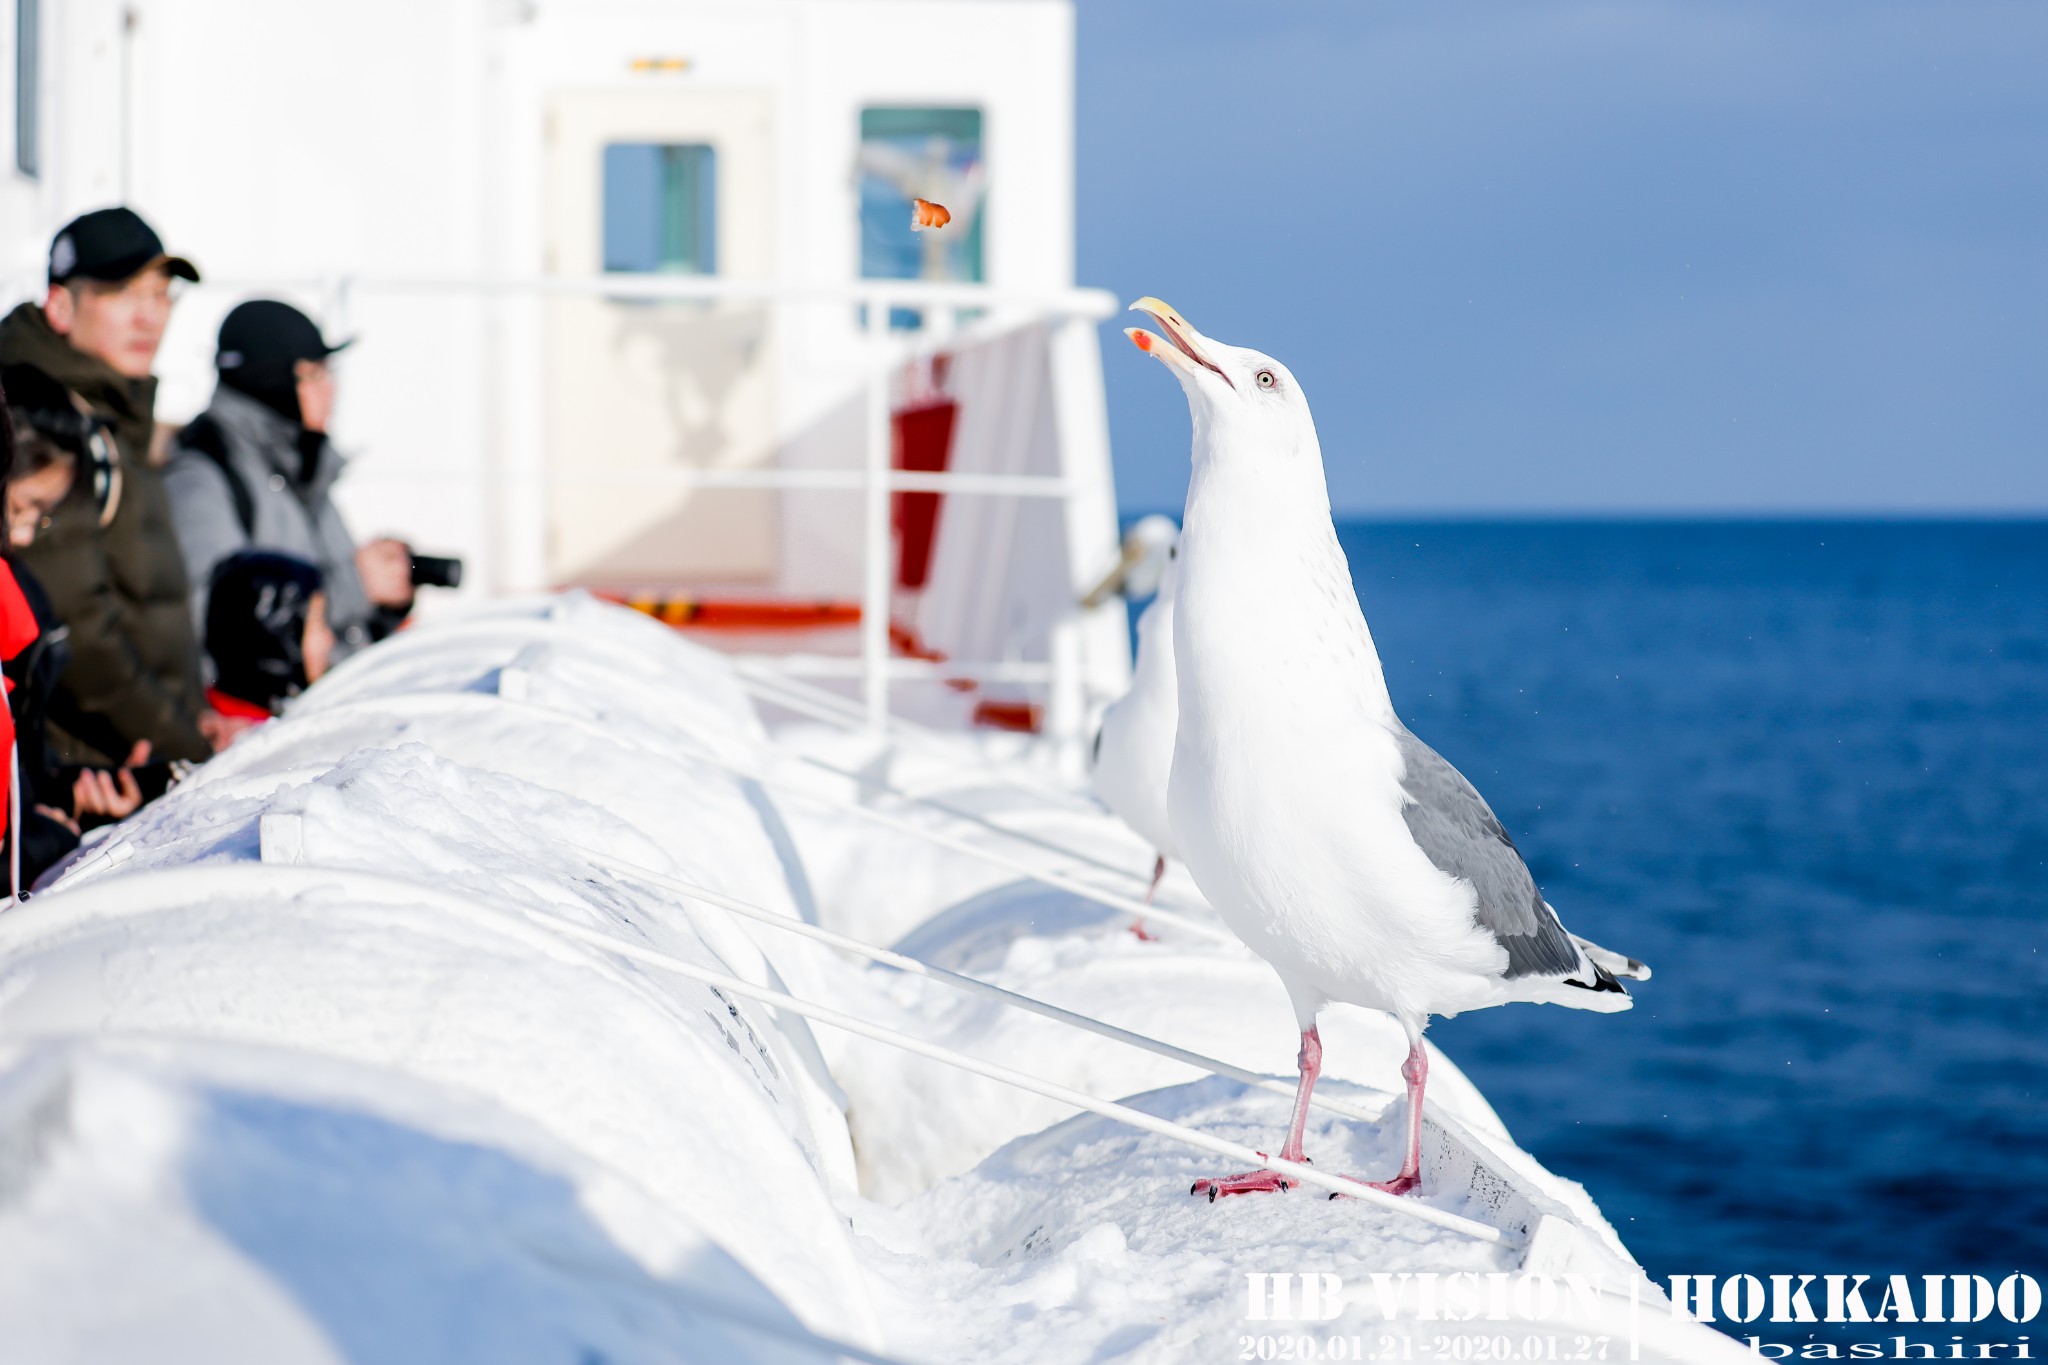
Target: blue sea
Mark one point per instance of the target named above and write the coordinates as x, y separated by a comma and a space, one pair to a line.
1801, 768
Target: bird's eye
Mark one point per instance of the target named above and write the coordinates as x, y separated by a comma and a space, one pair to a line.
1267, 379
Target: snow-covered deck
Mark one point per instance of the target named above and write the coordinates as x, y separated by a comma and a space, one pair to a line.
323, 1056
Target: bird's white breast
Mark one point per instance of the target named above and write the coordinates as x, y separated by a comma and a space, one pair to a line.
1136, 752
1285, 792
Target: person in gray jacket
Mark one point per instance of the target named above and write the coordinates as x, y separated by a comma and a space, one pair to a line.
256, 471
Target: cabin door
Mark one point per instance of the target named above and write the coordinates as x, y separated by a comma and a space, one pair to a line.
662, 183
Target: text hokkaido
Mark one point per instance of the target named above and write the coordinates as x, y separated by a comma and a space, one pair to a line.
1856, 1298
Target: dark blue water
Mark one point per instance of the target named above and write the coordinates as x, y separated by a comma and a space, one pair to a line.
1802, 770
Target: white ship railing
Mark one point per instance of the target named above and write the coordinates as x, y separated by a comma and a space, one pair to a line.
1067, 702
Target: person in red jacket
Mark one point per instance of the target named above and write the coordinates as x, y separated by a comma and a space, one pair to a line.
17, 632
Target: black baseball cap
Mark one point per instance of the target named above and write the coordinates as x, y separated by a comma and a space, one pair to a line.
265, 334
110, 244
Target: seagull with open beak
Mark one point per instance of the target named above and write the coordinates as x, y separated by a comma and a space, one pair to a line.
1342, 849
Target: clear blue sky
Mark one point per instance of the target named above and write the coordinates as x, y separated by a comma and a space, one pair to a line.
1590, 255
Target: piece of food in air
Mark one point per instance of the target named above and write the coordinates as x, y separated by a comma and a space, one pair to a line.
925, 214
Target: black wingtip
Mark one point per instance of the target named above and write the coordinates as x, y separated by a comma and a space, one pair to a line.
1603, 980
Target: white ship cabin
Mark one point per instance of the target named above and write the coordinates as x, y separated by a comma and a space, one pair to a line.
638, 306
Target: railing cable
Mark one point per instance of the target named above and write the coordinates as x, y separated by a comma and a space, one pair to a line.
969, 984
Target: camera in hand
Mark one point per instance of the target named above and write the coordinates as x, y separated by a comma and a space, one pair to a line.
436, 571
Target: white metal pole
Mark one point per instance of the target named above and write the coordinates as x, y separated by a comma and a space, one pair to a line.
129, 20
1066, 707
874, 603
334, 304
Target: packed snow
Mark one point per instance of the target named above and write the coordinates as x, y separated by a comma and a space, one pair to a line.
293, 1066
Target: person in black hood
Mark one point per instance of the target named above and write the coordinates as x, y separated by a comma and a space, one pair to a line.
266, 629
256, 471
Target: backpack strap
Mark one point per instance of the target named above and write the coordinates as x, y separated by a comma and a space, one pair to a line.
204, 435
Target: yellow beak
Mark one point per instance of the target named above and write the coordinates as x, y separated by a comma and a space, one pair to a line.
1185, 349
1133, 552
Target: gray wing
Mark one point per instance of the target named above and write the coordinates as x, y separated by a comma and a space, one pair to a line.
1452, 823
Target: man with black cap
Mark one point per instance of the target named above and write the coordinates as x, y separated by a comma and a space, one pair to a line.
110, 558
256, 471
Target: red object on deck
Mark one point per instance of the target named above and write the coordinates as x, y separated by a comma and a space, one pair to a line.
766, 613
1023, 716
740, 613
771, 614
911, 645
922, 437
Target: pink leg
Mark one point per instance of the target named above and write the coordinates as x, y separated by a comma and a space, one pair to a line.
1415, 1071
1310, 1060
1158, 871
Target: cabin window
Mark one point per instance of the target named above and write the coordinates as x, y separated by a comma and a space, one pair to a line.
925, 154
661, 208
27, 87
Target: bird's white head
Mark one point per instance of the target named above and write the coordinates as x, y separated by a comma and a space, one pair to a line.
1240, 399
1148, 548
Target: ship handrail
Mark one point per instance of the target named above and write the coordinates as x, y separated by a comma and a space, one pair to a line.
339, 287
1063, 307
